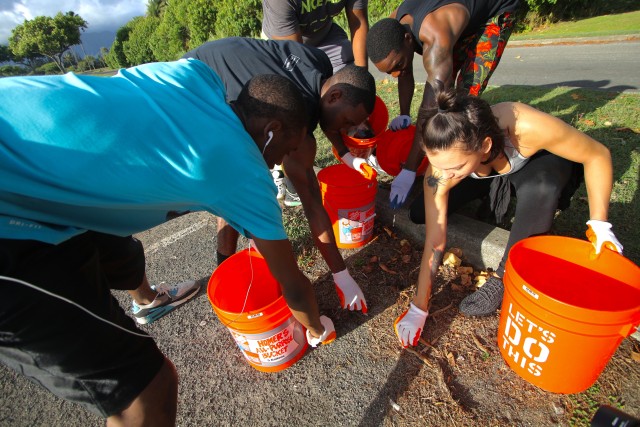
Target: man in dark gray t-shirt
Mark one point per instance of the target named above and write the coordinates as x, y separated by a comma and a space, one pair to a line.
312, 23
335, 101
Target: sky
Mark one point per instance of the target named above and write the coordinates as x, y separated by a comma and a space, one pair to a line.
101, 15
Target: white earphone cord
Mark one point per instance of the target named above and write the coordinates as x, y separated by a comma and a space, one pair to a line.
44, 291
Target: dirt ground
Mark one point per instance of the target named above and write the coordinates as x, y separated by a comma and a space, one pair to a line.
456, 375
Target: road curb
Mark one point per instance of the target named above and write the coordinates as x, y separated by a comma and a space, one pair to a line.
482, 244
573, 40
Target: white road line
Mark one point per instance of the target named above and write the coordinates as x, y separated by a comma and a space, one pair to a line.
176, 236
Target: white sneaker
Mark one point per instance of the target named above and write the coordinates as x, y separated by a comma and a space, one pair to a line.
169, 297
278, 180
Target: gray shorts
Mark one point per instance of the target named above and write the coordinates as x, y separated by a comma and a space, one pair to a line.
335, 44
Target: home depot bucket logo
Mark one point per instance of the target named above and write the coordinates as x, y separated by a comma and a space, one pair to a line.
356, 225
269, 349
526, 343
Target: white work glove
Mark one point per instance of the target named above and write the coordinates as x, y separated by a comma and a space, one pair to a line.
599, 233
327, 336
400, 187
352, 161
400, 122
349, 292
408, 326
360, 165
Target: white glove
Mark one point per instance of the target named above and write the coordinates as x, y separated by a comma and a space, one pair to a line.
408, 326
349, 292
599, 233
400, 187
327, 336
400, 122
352, 161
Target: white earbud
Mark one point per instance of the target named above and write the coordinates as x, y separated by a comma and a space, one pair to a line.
268, 141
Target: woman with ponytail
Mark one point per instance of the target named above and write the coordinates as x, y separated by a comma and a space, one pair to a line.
477, 150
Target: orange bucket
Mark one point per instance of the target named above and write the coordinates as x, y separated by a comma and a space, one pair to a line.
563, 315
393, 150
363, 147
268, 335
349, 199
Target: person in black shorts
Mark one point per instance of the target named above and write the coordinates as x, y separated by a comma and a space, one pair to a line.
334, 101
116, 156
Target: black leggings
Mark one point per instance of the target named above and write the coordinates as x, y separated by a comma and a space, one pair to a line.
538, 187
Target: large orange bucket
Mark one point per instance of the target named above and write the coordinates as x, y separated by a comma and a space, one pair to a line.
349, 199
564, 314
248, 301
377, 122
393, 149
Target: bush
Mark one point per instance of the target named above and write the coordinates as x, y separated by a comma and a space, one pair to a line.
138, 49
48, 68
241, 18
13, 70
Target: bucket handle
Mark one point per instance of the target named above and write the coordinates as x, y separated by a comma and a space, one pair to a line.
246, 297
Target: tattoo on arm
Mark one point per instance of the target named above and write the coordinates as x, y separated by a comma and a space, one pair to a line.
434, 180
435, 263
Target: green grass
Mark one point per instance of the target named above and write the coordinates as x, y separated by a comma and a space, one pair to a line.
609, 117
607, 25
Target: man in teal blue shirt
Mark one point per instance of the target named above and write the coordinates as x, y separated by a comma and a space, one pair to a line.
85, 162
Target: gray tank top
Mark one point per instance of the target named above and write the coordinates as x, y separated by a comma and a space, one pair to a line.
515, 159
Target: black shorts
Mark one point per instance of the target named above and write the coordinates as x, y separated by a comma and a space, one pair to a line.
62, 347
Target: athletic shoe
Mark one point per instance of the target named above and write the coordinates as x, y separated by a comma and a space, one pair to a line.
168, 298
486, 300
291, 199
278, 180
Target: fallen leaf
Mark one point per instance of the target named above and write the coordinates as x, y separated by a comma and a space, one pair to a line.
441, 310
635, 356
576, 96
451, 359
456, 251
465, 270
589, 122
608, 123
389, 232
387, 269
451, 259
479, 344
419, 356
465, 280
368, 268
458, 288
625, 130
373, 259
406, 258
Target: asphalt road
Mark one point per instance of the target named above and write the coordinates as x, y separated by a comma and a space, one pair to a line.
609, 66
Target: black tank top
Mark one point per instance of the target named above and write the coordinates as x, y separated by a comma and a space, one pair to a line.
480, 11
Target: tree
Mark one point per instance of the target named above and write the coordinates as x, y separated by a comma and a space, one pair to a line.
239, 18
116, 57
202, 22
46, 36
137, 48
171, 38
156, 7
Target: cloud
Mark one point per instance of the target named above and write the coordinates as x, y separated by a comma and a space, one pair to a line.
101, 15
